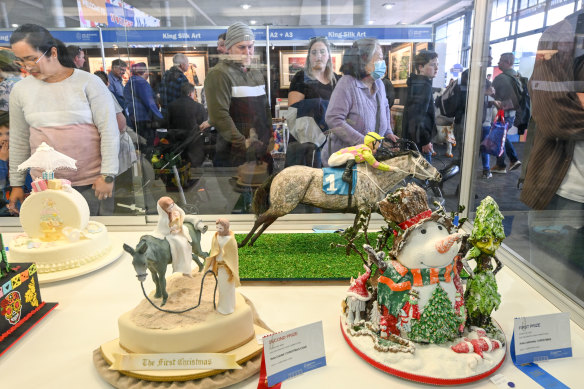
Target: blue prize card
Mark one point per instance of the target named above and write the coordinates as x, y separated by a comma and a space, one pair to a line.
291, 353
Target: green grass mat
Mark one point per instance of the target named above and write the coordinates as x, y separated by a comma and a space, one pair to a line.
298, 257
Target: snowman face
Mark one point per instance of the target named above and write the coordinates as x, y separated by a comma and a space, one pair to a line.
428, 245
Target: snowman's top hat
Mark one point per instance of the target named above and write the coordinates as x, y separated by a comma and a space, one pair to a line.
408, 207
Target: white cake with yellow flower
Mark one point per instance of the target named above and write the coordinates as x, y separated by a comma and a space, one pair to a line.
58, 234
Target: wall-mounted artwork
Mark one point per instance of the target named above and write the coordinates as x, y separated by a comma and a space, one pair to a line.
197, 69
400, 65
95, 64
291, 62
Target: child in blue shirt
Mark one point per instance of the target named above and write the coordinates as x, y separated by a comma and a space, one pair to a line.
4, 179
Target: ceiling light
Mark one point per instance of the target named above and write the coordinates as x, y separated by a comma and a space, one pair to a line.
252, 22
15, 25
246, 6
388, 5
371, 22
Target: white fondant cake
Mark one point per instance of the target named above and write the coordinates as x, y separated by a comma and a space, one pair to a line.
57, 232
147, 330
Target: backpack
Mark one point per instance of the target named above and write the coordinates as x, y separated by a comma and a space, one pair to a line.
447, 102
523, 111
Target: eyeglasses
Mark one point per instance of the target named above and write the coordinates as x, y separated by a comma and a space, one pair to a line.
28, 62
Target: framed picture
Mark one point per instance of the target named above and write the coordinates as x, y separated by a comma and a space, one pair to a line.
197, 69
291, 62
400, 65
421, 46
95, 64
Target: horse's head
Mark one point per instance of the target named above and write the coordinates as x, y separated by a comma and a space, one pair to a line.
409, 161
422, 169
138, 259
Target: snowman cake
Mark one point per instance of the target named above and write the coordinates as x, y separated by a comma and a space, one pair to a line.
408, 317
58, 234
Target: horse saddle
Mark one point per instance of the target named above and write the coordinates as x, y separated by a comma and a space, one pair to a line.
332, 181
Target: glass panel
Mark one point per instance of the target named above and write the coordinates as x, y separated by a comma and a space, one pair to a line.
541, 202
530, 22
556, 14
500, 28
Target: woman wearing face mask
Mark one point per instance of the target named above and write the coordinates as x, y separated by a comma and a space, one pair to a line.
358, 104
310, 91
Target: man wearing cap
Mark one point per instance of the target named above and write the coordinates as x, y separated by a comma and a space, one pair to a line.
236, 99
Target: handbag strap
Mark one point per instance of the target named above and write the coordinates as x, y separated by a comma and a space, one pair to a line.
378, 115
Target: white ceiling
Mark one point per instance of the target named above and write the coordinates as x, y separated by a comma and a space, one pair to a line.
192, 13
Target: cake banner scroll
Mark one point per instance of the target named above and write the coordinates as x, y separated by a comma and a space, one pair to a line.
176, 361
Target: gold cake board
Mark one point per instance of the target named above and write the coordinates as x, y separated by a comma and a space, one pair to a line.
242, 354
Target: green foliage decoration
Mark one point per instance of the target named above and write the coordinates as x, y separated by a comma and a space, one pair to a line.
438, 322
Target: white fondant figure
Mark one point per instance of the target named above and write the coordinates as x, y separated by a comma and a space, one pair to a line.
170, 227
224, 261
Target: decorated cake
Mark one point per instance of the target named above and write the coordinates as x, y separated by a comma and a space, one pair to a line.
191, 313
58, 234
21, 305
413, 316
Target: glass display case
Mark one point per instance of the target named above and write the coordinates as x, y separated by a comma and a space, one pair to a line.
472, 41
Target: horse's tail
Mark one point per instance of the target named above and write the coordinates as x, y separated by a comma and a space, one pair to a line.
261, 198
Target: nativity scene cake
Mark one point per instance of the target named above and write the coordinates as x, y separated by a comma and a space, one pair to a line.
190, 312
413, 316
58, 234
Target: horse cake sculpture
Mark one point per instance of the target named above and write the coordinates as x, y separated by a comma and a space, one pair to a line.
192, 321
412, 317
295, 185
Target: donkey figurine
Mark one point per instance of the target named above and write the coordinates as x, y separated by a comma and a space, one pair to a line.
154, 254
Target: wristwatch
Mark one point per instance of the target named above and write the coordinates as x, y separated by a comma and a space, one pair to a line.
108, 178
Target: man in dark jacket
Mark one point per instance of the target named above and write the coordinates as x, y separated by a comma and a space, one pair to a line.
186, 122
172, 81
236, 99
419, 121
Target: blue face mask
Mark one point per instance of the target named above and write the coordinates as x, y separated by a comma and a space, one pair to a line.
379, 70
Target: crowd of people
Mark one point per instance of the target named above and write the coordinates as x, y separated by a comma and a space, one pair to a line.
86, 116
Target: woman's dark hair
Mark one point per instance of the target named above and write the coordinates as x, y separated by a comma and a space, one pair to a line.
41, 39
422, 58
4, 119
358, 56
101, 74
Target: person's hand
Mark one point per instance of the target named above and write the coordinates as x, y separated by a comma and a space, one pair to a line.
204, 125
497, 104
16, 195
392, 137
103, 190
428, 149
4, 151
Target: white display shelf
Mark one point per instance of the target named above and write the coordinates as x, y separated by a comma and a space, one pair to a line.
57, 353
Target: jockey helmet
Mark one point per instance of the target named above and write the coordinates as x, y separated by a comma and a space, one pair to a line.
372, 138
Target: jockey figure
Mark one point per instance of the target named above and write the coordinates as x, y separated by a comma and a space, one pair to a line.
357, 154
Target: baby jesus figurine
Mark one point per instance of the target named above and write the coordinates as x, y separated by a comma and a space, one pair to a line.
170, 227
176, 220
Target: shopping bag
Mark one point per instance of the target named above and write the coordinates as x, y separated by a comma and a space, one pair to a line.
494, 143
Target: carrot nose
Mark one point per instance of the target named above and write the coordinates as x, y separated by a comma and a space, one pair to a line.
445, 244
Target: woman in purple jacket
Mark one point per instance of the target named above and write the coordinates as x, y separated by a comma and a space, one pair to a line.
358, 104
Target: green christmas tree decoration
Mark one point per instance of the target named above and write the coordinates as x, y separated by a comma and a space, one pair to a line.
482, 299
438, 322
